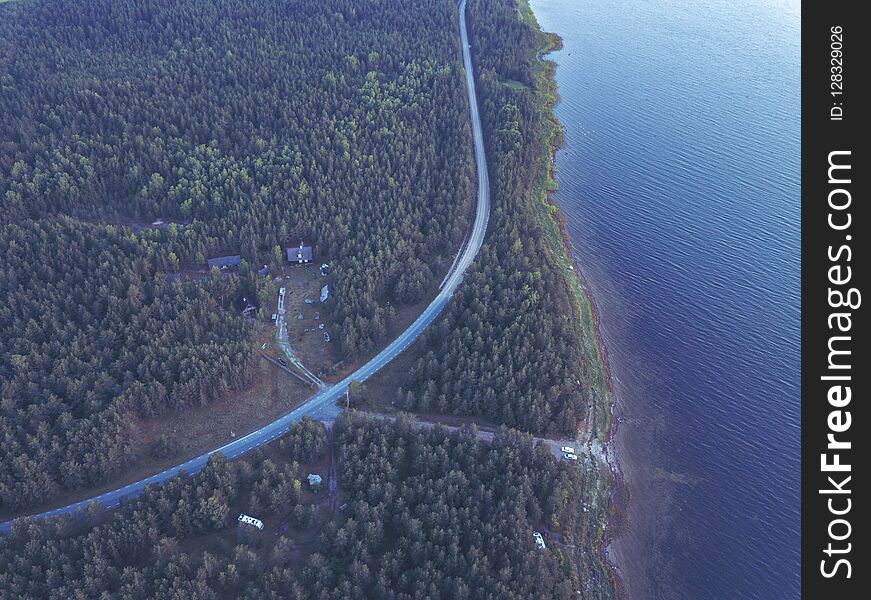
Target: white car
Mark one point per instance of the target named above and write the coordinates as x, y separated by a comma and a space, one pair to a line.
570, 456
568, 449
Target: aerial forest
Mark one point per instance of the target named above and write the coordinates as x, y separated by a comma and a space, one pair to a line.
425, 513
508, 347
242, 127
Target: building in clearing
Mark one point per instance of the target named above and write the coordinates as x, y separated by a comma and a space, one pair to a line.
325, 293
225, 262
300, 255
314, 481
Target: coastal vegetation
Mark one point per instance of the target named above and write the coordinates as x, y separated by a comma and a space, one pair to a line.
517, 344
245, 127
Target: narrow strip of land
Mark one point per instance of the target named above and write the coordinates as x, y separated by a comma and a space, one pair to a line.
322, 405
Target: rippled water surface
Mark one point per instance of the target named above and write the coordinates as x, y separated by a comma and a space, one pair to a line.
680, 184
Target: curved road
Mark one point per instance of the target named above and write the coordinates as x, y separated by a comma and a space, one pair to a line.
322, 405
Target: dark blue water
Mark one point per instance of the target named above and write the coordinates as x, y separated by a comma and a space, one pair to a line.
680, 184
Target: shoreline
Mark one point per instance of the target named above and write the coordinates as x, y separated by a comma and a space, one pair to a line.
618, 490
600, 438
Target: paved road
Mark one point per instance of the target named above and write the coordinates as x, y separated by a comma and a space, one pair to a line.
323, 404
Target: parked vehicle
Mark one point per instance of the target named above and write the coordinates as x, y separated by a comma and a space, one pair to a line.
282, 362
570, 456
243, 518
326, 337
568, 449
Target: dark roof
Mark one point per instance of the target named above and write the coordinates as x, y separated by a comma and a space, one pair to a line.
298, 253
173, 277
264, 271
225, 261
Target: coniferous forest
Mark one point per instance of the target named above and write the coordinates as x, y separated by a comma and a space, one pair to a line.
246, 126
429, 514
508, 346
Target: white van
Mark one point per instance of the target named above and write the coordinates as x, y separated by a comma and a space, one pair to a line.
243, 518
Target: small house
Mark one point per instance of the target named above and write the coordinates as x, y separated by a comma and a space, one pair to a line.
225, 262
314, 481
325, 293
300, 255
263, 271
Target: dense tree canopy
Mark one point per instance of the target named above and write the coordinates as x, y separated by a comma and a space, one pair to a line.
429, 514
508, 346
436, 515
248, 122
89, 336
245, 125
252, 125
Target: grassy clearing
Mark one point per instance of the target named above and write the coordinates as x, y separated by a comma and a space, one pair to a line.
515, 85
